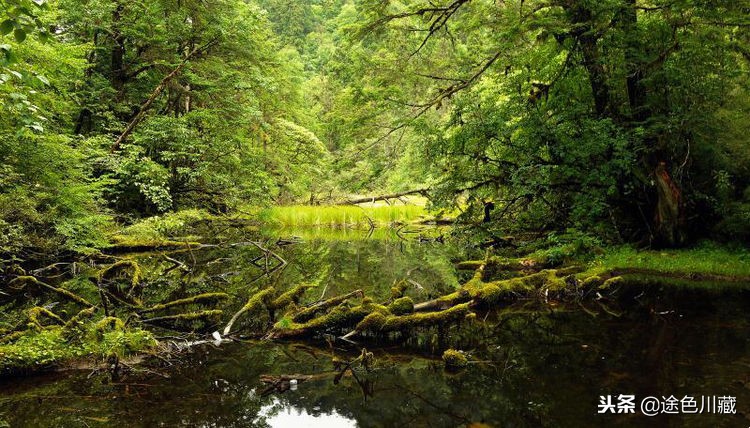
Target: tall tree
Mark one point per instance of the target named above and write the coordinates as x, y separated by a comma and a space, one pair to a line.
569, 112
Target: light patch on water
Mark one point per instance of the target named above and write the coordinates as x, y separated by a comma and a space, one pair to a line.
290, 416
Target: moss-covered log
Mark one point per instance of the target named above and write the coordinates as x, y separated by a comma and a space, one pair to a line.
257, 301
399, 288
74, 327
291, 296
200, 299
380, 323
189, 316
502, 264
130, 267
454, 360
339, 318
36, 313
129, 270
401, 306
487, 294
308, 313
21, 282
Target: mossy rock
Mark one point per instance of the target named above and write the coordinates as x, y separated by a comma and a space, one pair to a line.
454, 360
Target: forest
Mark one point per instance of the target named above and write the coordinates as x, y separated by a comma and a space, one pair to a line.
403, 184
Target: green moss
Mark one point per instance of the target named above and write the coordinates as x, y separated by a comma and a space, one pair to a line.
77, 323
469, 265
21, 282
611, 282
291, 296
490, 294
12, 336
128, 267
127, 244
553, 281
188, 316
308, 313
373, 322
399, 289
592, 282
427, 319
194, 300
454, 360
111, 323
36, 312
401, 306
257, 301
50, 347
495, 263
340, 317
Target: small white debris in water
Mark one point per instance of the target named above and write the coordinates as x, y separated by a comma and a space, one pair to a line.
216, 335
293, 384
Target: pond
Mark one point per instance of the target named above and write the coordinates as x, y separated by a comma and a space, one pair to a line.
532, 364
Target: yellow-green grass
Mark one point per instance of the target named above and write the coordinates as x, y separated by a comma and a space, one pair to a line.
341, 216
704, 260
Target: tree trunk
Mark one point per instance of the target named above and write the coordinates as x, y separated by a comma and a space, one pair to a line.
668, 221
669, 218
582, 19
118, 51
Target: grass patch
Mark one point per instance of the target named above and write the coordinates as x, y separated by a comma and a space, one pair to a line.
329, 234
341, 216
704, 260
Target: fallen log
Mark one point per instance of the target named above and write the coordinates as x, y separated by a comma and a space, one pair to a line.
257, 301
309, 312
379, 323
339, 318
20, 282
383, 197
190, 316
195, 300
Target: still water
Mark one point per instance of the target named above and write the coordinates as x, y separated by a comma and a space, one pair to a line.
534, 364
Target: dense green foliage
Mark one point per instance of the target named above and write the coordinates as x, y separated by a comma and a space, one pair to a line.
618, 117
626, 119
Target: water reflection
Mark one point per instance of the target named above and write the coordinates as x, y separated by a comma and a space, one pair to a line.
534, 364
278, 415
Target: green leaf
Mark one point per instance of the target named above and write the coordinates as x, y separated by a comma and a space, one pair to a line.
20, 35
7, 26
10, 57
45, 36
43, 79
